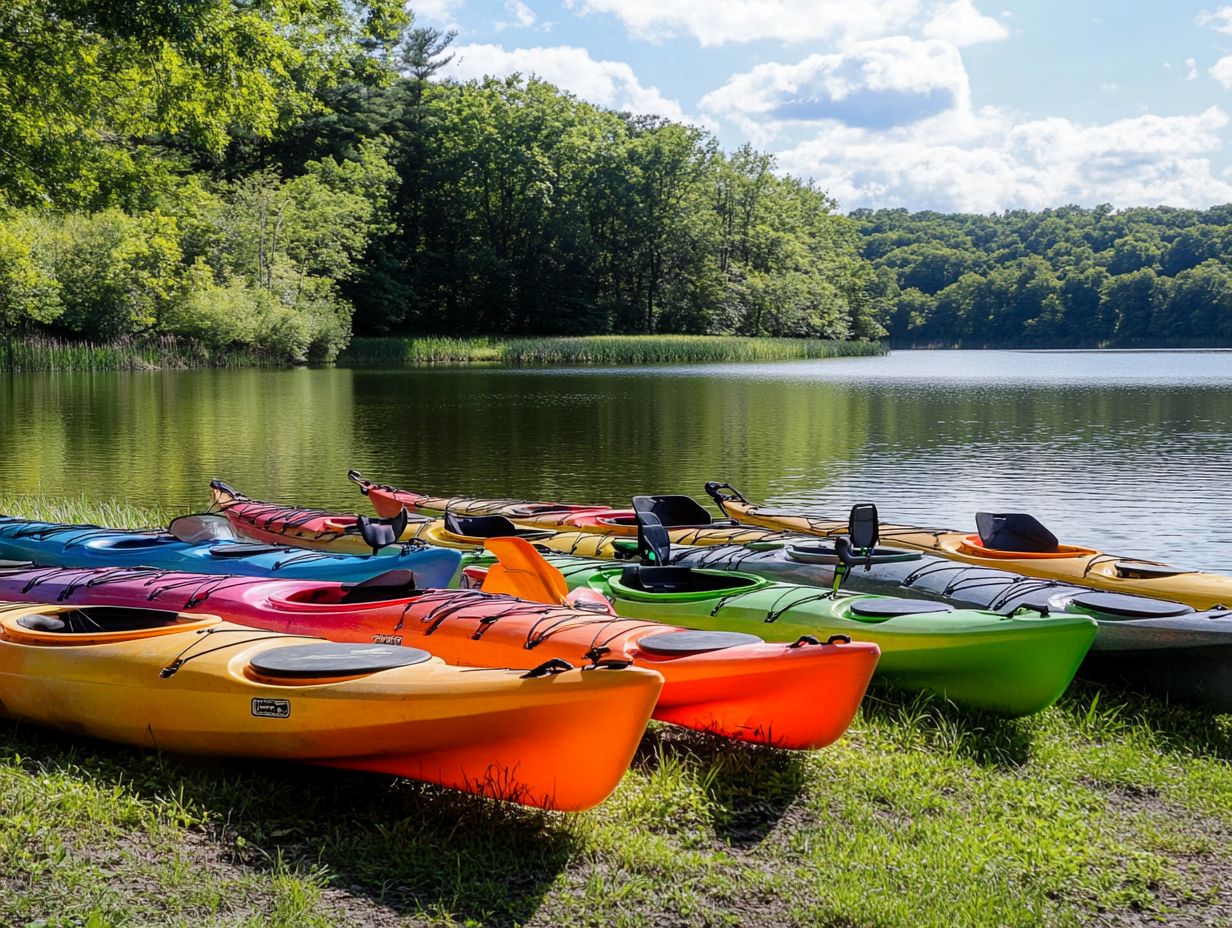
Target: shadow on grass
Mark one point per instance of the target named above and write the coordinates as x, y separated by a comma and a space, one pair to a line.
989, 740
405, 846
1109, 710
749, 788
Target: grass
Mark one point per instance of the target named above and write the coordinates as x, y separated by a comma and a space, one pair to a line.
1107, 809
39, 353
595, 349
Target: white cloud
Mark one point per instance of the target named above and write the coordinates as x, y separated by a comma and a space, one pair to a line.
1220, 20
523, 15
1221, 70
607, 83
874, 84
716, 22
982, 161
960, 23
439, 11
1191, 69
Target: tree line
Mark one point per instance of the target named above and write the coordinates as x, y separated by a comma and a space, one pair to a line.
1068, 276
279, 173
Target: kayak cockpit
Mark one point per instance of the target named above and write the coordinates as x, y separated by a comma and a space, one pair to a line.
97, 624
660, 580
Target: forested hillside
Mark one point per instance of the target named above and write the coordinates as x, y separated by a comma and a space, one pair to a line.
1067, 276
276, 174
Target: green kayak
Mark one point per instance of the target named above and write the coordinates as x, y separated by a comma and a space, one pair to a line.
1013, 664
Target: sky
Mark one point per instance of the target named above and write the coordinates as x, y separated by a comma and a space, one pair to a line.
952, 105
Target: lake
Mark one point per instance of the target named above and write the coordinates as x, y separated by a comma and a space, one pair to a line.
1128, 451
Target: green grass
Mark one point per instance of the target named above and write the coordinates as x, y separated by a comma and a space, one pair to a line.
39, 353
1107, 809
595, 349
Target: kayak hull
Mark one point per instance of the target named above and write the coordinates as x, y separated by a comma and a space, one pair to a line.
496, 734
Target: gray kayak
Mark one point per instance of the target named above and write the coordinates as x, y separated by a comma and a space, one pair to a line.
1147, 644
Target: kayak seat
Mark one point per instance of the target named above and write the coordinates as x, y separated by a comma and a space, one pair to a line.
679, 580
674, 511
393, 584
1014, 531
488, 527
100, 619
244, 550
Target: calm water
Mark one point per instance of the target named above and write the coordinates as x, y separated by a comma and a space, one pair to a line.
1129, 451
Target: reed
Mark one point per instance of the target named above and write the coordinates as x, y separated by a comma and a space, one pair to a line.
597, 349
42, 353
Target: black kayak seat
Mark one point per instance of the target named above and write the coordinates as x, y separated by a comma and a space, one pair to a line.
380, 533
692, 642
392, 584
1123, 606
894, 607
674, 511
334, 659
487, 527
1014, 531
242, 550
808, 553
678, 580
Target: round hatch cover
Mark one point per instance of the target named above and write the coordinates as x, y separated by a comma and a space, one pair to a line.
332, 659
1133, 607
694, 642
892, 608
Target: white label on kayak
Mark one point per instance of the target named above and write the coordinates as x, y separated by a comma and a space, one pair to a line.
271, 708
387, 639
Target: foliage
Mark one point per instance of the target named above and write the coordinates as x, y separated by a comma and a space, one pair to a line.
597, 349
1068, 276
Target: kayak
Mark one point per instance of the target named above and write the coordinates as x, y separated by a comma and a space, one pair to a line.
61, 545
320, 529
1011, 663
195, 684
1147, 644
687, 521
1034, 553
794, 696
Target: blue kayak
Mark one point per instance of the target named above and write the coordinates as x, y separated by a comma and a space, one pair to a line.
57, 545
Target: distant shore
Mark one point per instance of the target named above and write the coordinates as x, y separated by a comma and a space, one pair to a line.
45, 354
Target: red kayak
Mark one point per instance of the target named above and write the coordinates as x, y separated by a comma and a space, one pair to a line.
801, 695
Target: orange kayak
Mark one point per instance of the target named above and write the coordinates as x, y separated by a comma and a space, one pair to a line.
191, 683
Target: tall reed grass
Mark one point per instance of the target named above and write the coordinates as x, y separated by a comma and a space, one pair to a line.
36, 353
597, 349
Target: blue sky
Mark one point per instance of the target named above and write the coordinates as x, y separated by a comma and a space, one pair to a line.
929, 104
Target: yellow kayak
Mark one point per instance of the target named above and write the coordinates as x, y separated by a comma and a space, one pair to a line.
557, 738
1013, 542
687, 522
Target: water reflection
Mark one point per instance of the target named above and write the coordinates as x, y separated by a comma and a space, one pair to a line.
1126, 450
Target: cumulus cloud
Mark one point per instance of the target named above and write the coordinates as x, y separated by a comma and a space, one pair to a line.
960, 23
1220, 20
983, 161
1221, 70
607, 83
875, 84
